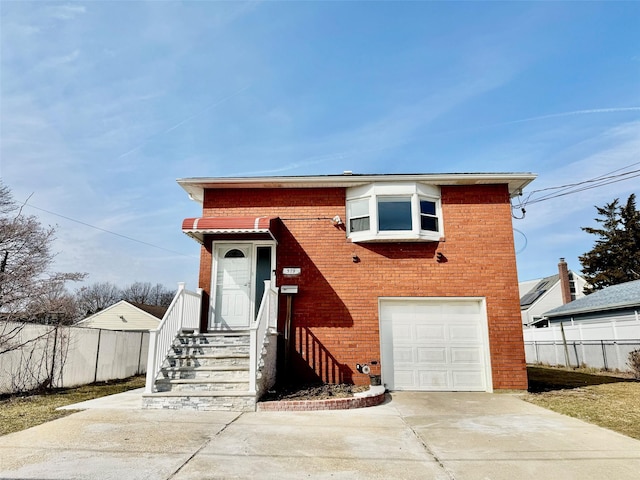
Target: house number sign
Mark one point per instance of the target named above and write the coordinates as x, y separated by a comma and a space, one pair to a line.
291, 271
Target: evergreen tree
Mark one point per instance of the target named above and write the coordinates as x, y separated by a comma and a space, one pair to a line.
615, 257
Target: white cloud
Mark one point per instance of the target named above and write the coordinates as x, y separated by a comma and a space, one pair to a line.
57, 62
66, 12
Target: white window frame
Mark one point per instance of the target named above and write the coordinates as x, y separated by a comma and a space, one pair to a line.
361, 216
411, 190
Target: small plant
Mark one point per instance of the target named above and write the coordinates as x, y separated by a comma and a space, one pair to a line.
634, 362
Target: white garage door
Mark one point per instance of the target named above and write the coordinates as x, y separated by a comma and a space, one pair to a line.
434, 344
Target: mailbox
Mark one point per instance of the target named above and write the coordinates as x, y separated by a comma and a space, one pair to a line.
289, 289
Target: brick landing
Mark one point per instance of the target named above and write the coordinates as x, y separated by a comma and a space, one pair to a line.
375, 396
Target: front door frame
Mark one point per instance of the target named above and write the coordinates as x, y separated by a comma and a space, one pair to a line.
212, 326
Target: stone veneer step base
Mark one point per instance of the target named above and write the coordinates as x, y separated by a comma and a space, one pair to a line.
201, 401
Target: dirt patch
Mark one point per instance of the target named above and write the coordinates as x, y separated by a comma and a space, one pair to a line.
313, 392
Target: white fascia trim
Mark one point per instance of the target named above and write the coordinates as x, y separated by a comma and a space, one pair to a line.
195, 186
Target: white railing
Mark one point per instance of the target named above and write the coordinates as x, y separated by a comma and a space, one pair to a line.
182, 314
265, 321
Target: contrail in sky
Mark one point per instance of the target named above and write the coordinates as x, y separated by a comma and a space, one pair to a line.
540, 117
181, 122
568, 114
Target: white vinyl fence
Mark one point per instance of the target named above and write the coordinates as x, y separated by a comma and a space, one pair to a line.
68, 356
604, 345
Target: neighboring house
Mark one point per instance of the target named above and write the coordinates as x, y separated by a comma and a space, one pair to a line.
125, 315
541, 295
617, 303
416, 272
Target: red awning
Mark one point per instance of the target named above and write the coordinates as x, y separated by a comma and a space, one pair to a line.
197, 227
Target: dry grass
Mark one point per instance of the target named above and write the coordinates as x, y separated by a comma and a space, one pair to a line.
22, 412
608, 401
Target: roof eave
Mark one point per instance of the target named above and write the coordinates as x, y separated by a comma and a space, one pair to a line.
615, 306
195, 186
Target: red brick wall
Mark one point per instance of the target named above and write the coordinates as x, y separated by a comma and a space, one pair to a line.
336, 310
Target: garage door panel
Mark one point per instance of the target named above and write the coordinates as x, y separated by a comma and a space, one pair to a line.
430, 333
463, 380
433, 379
467, 332
405, 377
401, 310
402, 332
431, 355
435, 345
464, 308
404, 355
466, 355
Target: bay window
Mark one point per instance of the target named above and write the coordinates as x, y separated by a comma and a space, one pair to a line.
394, 212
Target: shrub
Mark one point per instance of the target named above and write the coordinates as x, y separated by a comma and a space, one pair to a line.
634, 362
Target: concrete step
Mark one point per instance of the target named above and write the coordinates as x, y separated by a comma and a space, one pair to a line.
202, 401
215, 373
209, 360
216, 338
200, 385
209, 349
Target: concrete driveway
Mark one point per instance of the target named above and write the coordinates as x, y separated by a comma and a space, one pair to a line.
413, 435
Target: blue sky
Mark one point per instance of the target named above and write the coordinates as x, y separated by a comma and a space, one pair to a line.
105, 104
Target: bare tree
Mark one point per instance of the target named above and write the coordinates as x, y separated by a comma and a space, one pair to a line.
6, 200
57, 306
138, 292
161, 295
96, 297
27, 284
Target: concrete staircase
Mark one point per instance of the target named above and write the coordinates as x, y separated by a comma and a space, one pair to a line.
207, 371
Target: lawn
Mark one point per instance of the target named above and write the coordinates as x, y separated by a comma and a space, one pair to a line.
22, 412
606, 400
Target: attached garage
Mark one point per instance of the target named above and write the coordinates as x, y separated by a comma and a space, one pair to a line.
434, 344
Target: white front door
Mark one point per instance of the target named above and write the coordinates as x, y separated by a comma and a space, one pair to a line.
232, 306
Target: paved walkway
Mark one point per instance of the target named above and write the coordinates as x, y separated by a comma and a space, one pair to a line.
462, 436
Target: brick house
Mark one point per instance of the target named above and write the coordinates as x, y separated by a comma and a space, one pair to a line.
414, 275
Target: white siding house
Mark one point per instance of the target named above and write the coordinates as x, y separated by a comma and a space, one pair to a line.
125, 316
541, 295
617, 303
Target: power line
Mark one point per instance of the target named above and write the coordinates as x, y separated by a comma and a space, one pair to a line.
549, 197
571, 188
598, 182
603, 176
107, 231
526, 241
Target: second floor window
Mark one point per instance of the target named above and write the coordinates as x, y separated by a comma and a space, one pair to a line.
359, 215
394, 212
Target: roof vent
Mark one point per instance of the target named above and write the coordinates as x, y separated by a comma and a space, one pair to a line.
347, 172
